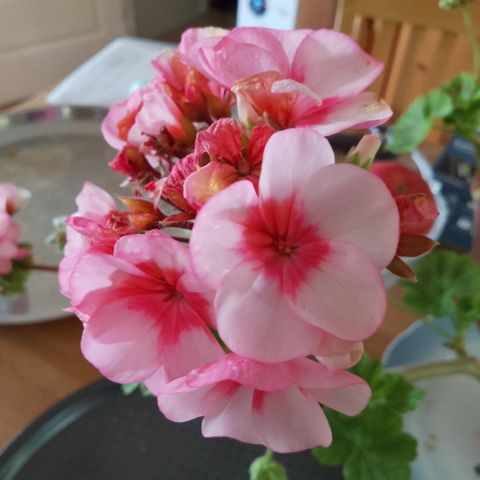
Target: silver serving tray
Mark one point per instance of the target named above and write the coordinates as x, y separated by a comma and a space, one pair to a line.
51, 152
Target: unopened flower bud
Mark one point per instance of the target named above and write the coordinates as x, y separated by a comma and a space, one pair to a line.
452, 4
364, 153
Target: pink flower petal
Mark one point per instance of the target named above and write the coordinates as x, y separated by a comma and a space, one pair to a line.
354, 204
208, 181
121, 339
306, 151
349, 400
343, 295
255, 320
332, 64
364, 110
234, 419
154, 247
96, 278
218, 231
194, 36
290, 40
94, 202
291, 421
184, 406
230, 61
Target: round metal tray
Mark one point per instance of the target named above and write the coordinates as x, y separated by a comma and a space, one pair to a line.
98, 433
51, 152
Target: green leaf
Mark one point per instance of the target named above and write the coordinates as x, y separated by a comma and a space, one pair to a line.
372, 445
267, 468
416, 122
448, 286
15, 282
129, 388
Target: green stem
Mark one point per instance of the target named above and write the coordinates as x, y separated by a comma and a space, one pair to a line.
467, 18
467, 366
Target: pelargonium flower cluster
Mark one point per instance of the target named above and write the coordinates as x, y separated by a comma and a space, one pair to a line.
241, 278
12, 199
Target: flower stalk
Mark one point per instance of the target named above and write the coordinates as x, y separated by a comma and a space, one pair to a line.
465, 365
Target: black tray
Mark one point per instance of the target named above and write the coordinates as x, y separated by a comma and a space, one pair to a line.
98, 433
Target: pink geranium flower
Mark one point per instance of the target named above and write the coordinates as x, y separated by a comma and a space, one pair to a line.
147, 313
276, 405
300, 258
200, 99
229, 155
291, 79
13, 198
96, 225
97, 222
10, 234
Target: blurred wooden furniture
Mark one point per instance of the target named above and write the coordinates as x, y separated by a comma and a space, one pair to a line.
421, 45
42, 41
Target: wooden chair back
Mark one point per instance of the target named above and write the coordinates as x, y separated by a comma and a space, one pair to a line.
421, 45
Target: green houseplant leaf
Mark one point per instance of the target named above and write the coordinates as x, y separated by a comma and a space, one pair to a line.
372, 445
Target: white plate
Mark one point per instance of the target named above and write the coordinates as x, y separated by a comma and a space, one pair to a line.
51, 152
447, 422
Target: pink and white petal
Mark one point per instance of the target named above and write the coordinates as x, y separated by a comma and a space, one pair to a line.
343, 295
185, 344
350, 69
266, 39
160, 111
218, 231
306, 151
349, 400
356, 207
365, 110
157, 247
183, 406
230, 61
291, 421
208, 181
234, 420
257, 375
255, 321
65, 269
121, 339
338, 354
290, 40
75, 241
110, 124
192, 37
157, 382
98, 278
95, 201
306, 101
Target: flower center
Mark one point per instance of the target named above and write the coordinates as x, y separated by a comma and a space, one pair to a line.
284, 247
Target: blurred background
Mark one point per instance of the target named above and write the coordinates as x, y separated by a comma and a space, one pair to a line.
42, 41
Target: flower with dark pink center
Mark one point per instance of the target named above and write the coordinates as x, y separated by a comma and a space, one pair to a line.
302, 257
